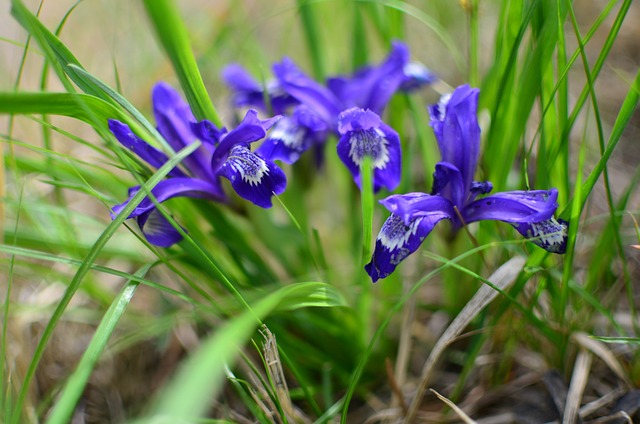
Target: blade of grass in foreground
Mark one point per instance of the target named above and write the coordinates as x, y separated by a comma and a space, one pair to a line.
201, 377
74, 388
173, 36
86, 266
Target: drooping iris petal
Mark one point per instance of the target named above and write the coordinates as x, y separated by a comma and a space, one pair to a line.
455, 124
551, 234
252, 177
307, 91
398, 240
172, 187
249, 130
157, 230
364, 134
141, 148
513, 206
174, 120
413, 205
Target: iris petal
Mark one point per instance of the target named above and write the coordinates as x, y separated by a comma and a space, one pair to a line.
513, 206
252, 177
286, 141
551, 234
249, 130
398, 240
141, 148
157, 230
307, 91
364, 135
414, 205
174, 120
173, 187
455, 124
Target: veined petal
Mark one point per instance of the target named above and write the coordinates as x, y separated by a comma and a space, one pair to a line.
364, 134
249, 130
141, 148
252, 177
169, 188
455, 124
411, 206
513, 206
157, 230
307, 91
398, 240
550, 234
174, 120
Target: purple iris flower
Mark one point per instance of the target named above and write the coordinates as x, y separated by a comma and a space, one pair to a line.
319, 108
222, 154
455, 194
350, 107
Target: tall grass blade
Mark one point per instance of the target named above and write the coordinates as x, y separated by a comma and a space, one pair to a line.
86, 266
202, 375
173, 36
77, 381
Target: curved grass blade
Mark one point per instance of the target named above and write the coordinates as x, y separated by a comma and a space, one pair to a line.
86, 266
202, 375
76, 383
173, 36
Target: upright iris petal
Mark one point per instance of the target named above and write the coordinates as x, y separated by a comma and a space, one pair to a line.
365, 135
455, 195
249, 92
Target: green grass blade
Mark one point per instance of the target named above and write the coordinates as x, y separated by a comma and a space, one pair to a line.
174, 38
86, 266
74, 387
85, 107
622, 120
202, 375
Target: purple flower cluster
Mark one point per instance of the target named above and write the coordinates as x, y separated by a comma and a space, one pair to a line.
346, 106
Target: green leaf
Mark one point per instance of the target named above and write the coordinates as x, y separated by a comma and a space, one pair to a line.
174, 38
86, 266
74, 387
202, 375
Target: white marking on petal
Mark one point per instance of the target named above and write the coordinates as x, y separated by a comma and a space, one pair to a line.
251, 167
442, 105
372, 143
550, 234
291, 135
394, 234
